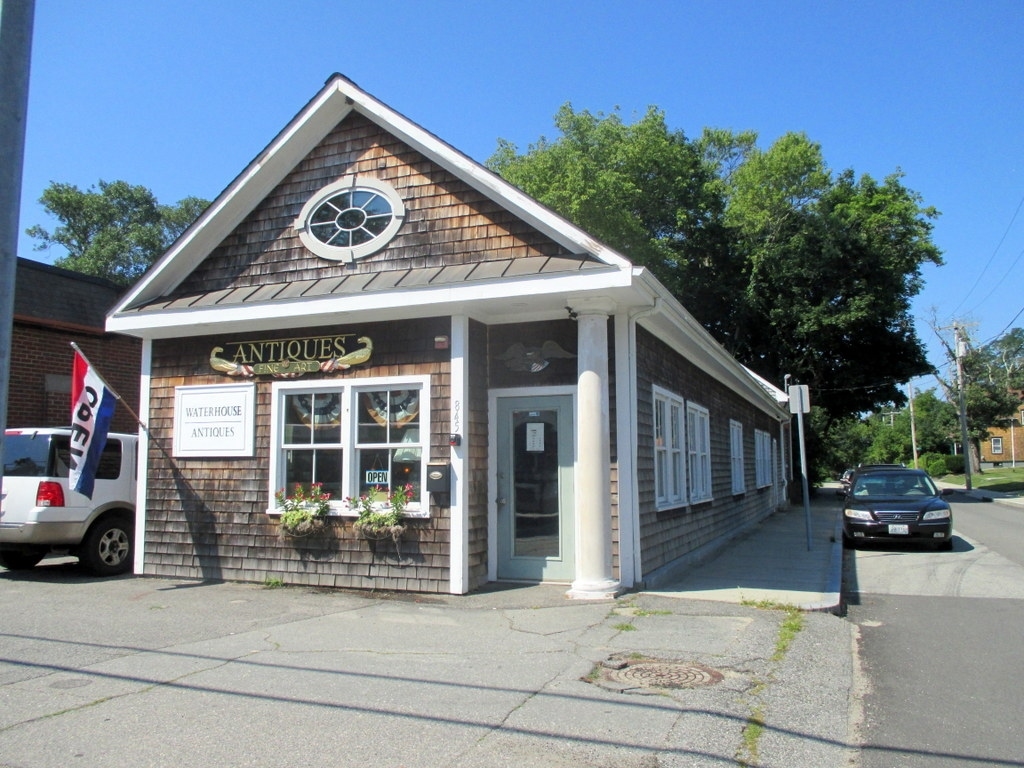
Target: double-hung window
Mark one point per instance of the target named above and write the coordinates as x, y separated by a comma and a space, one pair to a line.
739, 484
698, 439
763, 453
669, 450
352, 439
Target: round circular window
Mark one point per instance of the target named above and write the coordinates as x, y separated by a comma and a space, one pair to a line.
350, 219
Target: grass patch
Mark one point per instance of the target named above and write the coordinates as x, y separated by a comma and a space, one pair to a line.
273, 582
792, 623
752, 732
645, 612
1001, 479
624, 627
788, 630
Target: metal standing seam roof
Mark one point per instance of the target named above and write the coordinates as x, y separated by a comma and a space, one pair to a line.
378, 281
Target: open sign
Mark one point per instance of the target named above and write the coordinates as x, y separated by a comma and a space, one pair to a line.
377, 477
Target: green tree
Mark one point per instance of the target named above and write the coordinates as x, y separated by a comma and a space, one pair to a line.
643, 189
990, 373
935, 423
794, 269
832, 263
116, 232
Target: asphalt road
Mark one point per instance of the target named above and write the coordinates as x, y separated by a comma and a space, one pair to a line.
941, 645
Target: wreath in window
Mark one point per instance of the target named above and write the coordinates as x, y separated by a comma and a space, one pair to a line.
325, 409
399, 406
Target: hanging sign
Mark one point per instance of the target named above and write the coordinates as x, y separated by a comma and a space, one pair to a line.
290, 358
377, 477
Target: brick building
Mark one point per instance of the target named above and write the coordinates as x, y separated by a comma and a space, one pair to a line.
52, 308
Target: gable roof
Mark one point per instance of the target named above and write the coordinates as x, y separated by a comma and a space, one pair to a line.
338, 99
506, 290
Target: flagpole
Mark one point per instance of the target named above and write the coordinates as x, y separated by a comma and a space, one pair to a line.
113, 391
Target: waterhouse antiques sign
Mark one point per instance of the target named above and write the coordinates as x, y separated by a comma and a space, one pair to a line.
288, 358
214, 420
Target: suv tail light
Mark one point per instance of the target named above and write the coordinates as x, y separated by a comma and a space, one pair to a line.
49, 494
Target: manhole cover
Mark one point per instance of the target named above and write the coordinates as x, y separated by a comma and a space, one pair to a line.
625, 674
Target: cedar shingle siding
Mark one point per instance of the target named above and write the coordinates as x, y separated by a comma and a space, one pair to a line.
513, 287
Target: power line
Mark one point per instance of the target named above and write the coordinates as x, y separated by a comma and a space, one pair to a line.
990, 258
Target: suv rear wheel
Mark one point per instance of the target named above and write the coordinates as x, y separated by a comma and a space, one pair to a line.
108, 548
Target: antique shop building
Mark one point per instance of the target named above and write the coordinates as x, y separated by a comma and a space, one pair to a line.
366, 306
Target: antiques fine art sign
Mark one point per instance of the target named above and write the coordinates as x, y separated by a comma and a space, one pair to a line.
214, 420
290, 358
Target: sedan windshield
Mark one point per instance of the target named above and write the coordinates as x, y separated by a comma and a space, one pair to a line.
894, 484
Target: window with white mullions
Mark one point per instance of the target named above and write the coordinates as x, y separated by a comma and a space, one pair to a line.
669, 450
352, 440
388, 448
311, 443
739, 484
698, 443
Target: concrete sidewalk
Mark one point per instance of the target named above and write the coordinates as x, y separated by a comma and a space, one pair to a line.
162, 672
790, 558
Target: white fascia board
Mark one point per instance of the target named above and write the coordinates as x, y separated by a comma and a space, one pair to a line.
231, 207
371, 306
548, 222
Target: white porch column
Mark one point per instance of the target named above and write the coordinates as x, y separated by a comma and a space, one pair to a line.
593, 434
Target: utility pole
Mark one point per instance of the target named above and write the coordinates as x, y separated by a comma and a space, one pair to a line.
961, 352
913, 426
16, 17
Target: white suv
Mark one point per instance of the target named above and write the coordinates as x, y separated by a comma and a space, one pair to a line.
39, 514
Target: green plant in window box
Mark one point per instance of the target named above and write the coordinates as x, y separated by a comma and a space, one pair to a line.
381, 513
304, 512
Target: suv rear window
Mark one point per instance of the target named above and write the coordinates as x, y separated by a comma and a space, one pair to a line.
28, 455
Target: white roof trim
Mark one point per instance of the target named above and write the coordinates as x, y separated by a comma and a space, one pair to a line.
321, 115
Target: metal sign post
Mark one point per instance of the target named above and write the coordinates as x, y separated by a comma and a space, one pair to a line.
800, 403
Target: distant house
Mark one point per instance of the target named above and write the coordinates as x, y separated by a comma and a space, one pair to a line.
1005, 442
364, 306
52, 308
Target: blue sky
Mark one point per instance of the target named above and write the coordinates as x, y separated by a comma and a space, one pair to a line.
180, 95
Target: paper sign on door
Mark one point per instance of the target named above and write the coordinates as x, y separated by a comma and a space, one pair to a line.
535, 437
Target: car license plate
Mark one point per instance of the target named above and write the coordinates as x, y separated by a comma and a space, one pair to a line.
899, 530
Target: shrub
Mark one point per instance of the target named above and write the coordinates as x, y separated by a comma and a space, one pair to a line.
955, 464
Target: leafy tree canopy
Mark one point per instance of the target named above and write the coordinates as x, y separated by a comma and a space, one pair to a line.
116, 231
992, 382
793, 268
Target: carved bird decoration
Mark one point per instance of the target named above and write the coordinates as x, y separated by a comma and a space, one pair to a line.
356, 357
226, 366
520, 357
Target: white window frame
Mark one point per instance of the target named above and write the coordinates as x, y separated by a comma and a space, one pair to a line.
739, 481
349, 391
996, 445
669, 449
698, 444
348, 253
763, 458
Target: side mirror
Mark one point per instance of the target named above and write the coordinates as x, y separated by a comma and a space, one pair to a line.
948, 491
840, 492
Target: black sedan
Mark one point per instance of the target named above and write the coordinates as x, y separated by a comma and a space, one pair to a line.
896, 505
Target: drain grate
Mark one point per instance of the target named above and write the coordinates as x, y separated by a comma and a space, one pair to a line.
625, 674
